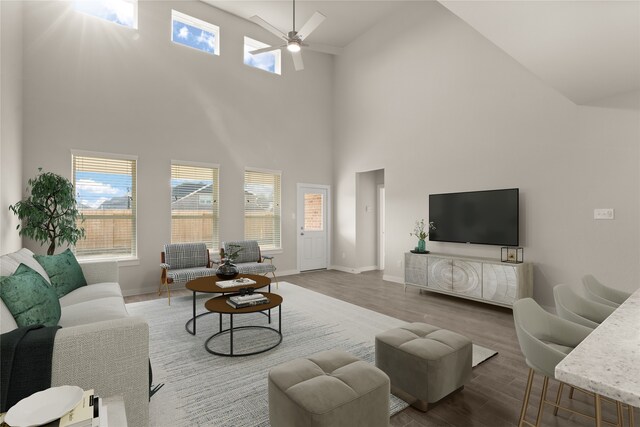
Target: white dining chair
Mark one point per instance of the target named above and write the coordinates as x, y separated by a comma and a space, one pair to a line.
545, 340
598, 292
573, 307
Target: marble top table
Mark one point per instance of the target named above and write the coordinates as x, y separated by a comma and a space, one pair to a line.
607, 362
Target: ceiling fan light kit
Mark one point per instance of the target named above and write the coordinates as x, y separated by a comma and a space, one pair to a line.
293, 46
295, 38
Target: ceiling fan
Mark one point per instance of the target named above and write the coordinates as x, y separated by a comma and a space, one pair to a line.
295, 38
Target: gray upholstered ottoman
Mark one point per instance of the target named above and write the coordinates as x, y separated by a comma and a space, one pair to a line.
424, 363
331, 388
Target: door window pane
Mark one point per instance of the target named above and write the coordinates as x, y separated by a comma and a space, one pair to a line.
313, 209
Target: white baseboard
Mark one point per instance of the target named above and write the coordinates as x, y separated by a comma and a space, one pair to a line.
394, 279
345, 269
369, 268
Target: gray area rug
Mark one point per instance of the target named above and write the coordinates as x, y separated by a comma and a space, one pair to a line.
202, 389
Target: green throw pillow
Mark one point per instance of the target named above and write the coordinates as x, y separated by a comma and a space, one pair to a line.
63, 271
29, 298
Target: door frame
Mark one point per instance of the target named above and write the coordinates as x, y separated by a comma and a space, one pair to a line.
382, 206
300, 215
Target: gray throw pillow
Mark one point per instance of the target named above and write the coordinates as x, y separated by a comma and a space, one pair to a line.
63, 270
29, 298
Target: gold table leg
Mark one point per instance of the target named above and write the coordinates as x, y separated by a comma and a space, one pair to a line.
597, 404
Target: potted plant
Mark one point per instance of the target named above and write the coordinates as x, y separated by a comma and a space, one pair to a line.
421, 234
227, 270
49, 213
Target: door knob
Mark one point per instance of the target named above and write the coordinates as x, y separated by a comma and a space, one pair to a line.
302, 234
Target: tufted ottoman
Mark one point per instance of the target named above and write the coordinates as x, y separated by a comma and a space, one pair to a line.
424, 363
331, 388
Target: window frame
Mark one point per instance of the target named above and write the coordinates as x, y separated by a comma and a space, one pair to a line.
183, 18
257, 44
132, 259
264, 250
214, 166
135, 14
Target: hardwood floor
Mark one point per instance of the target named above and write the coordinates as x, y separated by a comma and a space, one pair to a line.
493, 397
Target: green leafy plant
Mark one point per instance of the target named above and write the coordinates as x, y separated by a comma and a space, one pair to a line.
419, 229
234, 252
49, 214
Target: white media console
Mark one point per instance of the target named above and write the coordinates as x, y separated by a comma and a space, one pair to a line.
481, 279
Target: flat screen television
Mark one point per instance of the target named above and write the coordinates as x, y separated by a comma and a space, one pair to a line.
483, 217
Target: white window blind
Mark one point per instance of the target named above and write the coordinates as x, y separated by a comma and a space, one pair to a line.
106, 194
194, 204
262, 208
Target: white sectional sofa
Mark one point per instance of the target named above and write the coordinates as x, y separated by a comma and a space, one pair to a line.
99, 345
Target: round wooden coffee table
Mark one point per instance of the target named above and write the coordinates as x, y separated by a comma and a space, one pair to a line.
209, 285
220, 305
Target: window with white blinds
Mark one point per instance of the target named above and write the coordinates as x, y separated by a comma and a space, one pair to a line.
262, 208
105, 188
194, 204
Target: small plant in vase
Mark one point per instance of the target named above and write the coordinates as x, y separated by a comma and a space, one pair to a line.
227, 270
421, 234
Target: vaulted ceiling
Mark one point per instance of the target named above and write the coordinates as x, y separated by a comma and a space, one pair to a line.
587, 50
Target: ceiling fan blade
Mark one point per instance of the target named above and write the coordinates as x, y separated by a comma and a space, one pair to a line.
264, 24
266, 49
325, 49
298, 64
311, 25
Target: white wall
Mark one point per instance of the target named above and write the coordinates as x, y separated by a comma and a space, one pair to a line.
441, 109
92, 85
10, 121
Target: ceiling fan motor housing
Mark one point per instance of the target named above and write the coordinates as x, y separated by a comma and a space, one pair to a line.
293, 37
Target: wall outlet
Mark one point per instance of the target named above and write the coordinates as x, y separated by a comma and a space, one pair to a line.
603, 214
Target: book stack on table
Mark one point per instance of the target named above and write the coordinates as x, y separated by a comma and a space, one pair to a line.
241, 301
235, 282
90, 412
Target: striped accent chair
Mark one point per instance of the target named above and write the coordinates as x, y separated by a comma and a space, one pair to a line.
250, 260
182, 262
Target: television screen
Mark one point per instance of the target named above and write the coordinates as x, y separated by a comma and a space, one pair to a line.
483, 217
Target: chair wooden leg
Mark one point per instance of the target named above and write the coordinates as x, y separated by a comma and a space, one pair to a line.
558, 397
274, 276
545, 384
525, 400
160, 288
169, 294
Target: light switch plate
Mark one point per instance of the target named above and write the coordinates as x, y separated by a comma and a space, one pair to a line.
603, 214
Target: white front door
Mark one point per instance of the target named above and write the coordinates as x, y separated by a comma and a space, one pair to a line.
313, 227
